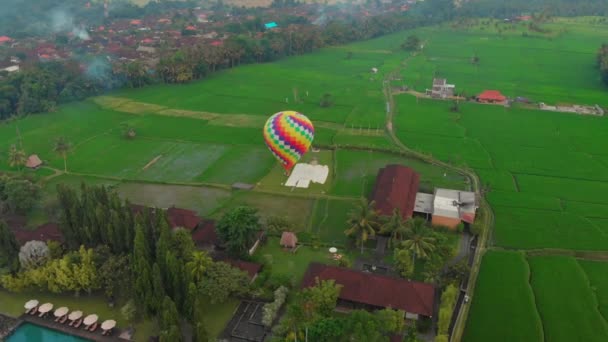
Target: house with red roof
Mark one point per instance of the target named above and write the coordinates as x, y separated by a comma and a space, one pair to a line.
369, 291
396, 188
5, 39
491, 96
135, 22
183, 218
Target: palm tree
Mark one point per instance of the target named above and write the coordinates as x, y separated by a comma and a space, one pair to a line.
62, 147
396, 228
16, 157
419, 242
363, 221
198, 265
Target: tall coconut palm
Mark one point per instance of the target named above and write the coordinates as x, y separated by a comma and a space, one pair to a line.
198, 265
62, 147
363, 221
396, 228
419, 241
16, 157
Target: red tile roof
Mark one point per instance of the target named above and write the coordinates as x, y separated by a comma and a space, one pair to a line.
191, 28
45, 232
205, 234
396, 187
4, 39
376, 290
251, 268
135, 22
491, 95
182, 218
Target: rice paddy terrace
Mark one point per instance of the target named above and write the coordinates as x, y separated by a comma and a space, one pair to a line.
545, 174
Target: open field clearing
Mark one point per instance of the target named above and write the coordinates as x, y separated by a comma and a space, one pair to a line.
204, 200
531, 169
562, 287
356, 172
503, 308
329, 220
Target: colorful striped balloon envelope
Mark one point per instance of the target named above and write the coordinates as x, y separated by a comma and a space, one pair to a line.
288, 135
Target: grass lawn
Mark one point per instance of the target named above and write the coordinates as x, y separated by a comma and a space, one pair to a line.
217, 315
289, 264
12, 305
329, 220
503, 307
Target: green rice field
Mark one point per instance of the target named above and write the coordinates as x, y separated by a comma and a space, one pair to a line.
545, 173
503, 290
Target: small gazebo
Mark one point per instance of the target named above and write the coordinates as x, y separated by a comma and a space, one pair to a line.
289, 240
33, 162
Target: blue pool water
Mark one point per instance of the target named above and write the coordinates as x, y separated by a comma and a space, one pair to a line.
28, 332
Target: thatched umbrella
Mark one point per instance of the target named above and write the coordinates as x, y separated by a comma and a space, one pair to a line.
46, 307
62, 311
30, 304
109, 324
74, 315
90, 319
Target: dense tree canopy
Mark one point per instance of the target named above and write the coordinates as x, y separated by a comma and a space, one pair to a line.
238, 229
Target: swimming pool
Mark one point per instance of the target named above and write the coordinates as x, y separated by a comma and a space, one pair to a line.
32, 332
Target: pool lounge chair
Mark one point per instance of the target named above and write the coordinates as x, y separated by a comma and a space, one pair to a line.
42, 314
78, 323
63, 319
93, 327
107, 332
32, 311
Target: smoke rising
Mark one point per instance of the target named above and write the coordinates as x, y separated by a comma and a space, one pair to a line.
62, 21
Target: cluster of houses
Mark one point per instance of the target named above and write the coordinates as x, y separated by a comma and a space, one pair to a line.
142, 39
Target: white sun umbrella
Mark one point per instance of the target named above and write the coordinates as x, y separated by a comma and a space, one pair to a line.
90, 319
46, 307
333, 250
30, 304
74, 315
61, 311
109, 324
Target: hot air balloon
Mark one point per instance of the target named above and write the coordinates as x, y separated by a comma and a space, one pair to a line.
288, 135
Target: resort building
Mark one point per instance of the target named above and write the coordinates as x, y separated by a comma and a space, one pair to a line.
369, 291
396, 188
441, 89
491, 96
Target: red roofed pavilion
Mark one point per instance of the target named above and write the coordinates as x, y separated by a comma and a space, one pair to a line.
5, 39
373, 291
491, 96
396, 188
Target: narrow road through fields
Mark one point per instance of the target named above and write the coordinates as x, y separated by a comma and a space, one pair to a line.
487, 218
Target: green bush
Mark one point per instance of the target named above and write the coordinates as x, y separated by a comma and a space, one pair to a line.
271, 309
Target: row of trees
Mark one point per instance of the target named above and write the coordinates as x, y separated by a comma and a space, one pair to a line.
135, 258
602, 61
411, 240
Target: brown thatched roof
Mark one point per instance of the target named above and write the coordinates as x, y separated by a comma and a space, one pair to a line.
33, 161
289, 240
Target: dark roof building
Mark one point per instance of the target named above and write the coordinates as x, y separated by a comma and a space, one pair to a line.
374, 290
205, 234
396, 188
251, 268
182, 218
46, 232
